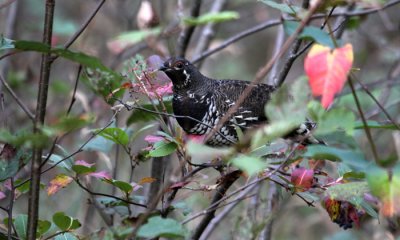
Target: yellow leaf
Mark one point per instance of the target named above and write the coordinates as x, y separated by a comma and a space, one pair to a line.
60, 181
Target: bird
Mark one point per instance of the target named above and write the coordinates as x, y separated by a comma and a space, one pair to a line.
204, 101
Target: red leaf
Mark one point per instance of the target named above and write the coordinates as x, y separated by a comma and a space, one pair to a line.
153, 138
83, 163
327, 70
101, 175
302, 178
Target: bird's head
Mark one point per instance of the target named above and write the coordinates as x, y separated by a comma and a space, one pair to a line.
180, 71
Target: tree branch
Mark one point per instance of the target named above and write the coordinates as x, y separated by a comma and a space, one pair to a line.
208, 30
33, 205
227, 181
214, 222
187, 32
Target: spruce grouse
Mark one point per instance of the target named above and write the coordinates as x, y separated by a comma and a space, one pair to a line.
207, 100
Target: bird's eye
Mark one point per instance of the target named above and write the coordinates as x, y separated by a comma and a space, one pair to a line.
179, 65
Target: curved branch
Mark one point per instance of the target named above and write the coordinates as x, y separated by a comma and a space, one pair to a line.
187, 32
108, 195
227, 181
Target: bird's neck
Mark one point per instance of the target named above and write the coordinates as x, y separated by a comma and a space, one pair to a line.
194, 82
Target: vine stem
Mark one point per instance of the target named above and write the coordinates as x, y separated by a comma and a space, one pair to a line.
364, 121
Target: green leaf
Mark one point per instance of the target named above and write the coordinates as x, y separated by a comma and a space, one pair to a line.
352, 158
348, 191
206, 152
284, 111
137, 36
290, 9
9, 167
80, 169
162, 148
212, 18
309, 32
21, 223
43, 226
161, 227
138, 115
333, 120
66, 236
114, 134
100, 144
25, 138
123, 186
375, 124
24, 188
250, 165
72, 123
63, 221
65, 164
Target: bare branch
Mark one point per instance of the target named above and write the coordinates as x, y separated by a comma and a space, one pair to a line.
84, 25
208, 30
214, 222
33, 205
187, 32
108, 195
364, 121
228, 180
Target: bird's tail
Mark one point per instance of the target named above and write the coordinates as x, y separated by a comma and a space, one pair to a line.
303, 134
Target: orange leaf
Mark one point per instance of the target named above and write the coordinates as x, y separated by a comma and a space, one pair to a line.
391, 202
327, 70
60, 181
147, 180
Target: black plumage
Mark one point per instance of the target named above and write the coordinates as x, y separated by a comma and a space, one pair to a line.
207, 100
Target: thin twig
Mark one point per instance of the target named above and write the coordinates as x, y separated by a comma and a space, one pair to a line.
17, 99
108, 195
84, 25
366, 127
56, 234
385, 112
